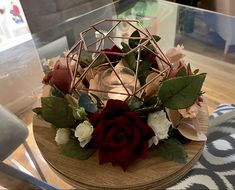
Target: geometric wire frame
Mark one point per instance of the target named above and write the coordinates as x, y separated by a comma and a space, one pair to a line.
86, 46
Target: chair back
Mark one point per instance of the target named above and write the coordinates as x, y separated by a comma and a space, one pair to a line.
13, 132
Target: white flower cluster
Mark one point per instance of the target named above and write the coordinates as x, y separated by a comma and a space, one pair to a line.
83, 132
160, 125
62, 136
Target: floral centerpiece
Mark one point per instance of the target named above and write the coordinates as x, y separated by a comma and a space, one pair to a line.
122, 100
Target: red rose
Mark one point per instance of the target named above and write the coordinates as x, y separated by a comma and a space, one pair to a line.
60, 77
120, 135
113, 57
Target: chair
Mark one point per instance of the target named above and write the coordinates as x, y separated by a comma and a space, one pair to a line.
13, 134
225, 25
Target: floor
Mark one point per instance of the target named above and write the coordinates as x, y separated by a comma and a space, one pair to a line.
219, 88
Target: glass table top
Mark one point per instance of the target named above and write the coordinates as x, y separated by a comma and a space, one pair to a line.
201, 31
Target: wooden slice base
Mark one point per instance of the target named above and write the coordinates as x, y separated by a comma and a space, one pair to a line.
151, 173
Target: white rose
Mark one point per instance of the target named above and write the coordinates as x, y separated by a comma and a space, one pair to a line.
160, 125
83, 132
62, 136
154, 140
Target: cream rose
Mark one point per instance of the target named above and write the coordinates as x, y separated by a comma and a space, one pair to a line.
160, 125
83, 132
62, 136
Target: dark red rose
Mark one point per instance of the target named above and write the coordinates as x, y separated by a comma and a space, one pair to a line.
119, 134
113, 57
149, 56
60, 77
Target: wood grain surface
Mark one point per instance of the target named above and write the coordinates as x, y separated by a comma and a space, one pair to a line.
152, 173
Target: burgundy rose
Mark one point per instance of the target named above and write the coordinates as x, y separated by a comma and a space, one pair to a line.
149, 56
60, 77
120, 135
113, 57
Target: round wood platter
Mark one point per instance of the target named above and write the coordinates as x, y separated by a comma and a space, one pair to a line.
151, 173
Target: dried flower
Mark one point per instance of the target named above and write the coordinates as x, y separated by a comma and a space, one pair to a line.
190, 112
176, 58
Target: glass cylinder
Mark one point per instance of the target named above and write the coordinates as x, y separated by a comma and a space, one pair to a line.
117, 87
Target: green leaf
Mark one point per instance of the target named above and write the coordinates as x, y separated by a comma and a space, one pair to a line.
85, 60
143, 71
156, 38
196, 71
173, 150
175, 134
150, 101
189, 69
129, 60
134, 42
37, 110
56, 91
73, 149
146, 110
56, 111
46, 69
99, 60
181, 72
86, 102
149, 44
98, 100
181, 92
135, 103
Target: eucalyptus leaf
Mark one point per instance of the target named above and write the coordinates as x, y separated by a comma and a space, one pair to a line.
181, 92
86, 102
56, 111
134, 42
173, 150
129, 60
74, 150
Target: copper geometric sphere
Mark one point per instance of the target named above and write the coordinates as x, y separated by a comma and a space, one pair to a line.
109, 33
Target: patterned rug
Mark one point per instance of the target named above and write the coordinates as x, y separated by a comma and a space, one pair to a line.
216, 167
